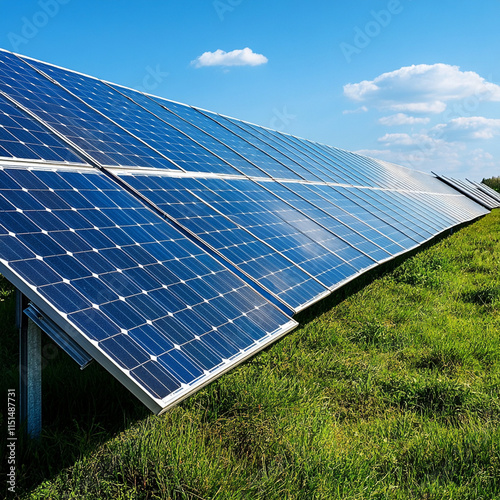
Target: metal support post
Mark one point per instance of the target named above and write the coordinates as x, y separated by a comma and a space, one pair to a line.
30, 373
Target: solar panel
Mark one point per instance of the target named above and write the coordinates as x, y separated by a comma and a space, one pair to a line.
21, 137
97, 136
156, 133
296, 196
212, 143
259, 157
316, 166
172, 243
486, 190
471, 191
156, 310
184, 200
266, 218
316, 250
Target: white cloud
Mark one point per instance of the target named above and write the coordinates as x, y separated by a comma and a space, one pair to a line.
468, 128
429, 151
446, 158
426, 108
243, 57
402, 119
406, 141
422, 88
362, 109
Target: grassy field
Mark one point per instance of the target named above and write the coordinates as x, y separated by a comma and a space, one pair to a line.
389, 390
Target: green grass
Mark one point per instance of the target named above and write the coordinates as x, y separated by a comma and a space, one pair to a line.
387, 391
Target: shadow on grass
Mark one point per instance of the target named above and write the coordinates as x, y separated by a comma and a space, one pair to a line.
80, 409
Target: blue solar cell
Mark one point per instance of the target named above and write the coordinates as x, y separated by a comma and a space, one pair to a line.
148, 126
200, 136
23, 137
156, 379
68, 300
96, 135
243, 147
179, 363
35, 271
130, 305
126, 351
255, 258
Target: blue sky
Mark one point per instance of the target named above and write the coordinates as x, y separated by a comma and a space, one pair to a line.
411, 81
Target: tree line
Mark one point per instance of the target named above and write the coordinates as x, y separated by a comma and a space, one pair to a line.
493, 182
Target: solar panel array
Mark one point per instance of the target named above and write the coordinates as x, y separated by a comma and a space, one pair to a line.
483, 188
480, 193
172, 243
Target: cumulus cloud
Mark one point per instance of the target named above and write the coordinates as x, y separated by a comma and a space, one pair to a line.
431, 151
423, 88
468, 128
402, 119
243, 57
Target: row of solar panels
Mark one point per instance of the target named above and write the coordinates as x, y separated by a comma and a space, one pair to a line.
477, 191
197, 236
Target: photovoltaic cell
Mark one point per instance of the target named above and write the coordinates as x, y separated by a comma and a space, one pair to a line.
97, 136
140, 307
201, 137
21, 137
157, 133
183, 200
